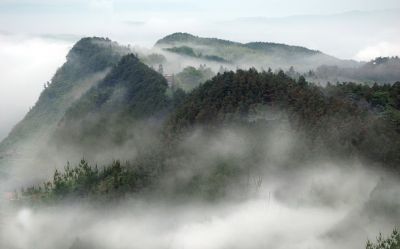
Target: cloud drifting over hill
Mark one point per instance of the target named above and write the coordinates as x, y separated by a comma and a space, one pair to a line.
26, 64
380, 49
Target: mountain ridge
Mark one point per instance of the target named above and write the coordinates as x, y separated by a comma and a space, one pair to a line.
129, 93
187, 37
260, 54
87, 63
183, 36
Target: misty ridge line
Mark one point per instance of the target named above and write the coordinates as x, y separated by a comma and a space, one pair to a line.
322, 75
314, 65
238, 144
116, 45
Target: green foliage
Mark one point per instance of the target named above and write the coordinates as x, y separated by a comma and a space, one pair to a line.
190, 77
257, 53
94, 54
178, 96
154, 59
183, 50
342, 120
176, 37
348, 118
188, 51
269, 47
391, 242
215, 58
131, 91
188, 38
83, 181
142, 91
231, 93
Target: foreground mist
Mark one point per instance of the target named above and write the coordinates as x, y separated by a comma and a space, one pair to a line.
304, 214
324, 204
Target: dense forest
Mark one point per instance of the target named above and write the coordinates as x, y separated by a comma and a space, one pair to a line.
123, 131
191, 77
348, 118
340, 121
131, 91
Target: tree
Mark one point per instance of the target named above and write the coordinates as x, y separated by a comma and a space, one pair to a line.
391, 242
302, 81
160, 69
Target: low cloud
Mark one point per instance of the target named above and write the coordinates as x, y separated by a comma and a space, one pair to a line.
264, 220
26, 64
381, 49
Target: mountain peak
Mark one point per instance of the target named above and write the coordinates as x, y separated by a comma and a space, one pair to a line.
89, 46
276, 55
181, 38
87, 63
176, 37
130, 92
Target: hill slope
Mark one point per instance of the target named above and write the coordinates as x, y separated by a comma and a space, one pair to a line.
383, 70
346, 119
257, 54
228, 128
107, 113
87, 63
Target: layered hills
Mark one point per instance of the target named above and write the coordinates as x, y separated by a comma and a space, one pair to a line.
106, 104
256, 54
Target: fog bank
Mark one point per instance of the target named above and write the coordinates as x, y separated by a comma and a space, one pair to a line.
26, 64
289, 210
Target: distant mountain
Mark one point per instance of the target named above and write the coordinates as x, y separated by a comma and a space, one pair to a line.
257, 54
178, 38
343, 34
382, 70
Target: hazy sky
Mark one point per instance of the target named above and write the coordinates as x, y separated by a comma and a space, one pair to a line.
143, 21
35, 35
225, 8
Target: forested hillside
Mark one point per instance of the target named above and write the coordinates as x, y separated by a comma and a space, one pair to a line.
338, 121
345, 118
315, 65
131, 92
258, 124
87, 63
243, 136
256, 54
